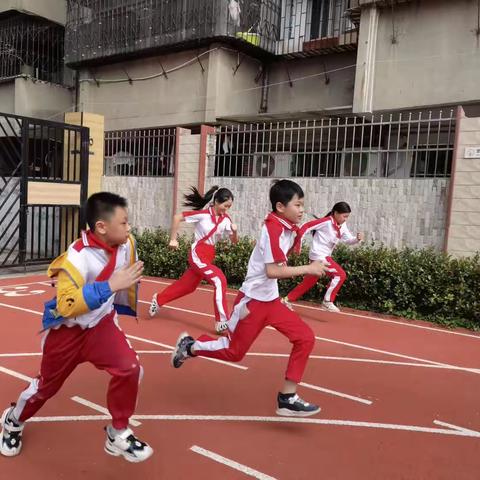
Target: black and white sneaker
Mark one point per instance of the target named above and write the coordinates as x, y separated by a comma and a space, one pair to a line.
128, 446
182, 350
11, 434
291, 405
154, 307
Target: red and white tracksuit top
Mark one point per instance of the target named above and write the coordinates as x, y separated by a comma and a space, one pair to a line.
209, 229
258, 305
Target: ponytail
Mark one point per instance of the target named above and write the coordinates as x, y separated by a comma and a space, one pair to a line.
196, 201
339, 207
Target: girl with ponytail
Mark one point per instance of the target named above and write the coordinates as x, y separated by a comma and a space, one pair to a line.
212, 223
327, 233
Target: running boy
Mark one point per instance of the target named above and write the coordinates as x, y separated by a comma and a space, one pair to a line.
258, 303
96, 278
327, 233
212, 223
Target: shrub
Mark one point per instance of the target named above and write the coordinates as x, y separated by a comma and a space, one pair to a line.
416, 284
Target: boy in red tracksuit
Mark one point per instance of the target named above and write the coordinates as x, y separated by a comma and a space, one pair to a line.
96, 278
258, 304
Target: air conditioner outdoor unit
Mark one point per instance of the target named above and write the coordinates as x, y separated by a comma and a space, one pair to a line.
272, 165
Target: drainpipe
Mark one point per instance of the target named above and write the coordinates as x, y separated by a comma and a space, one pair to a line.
77, 89
264, 95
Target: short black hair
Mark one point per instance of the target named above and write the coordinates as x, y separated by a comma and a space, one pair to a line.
101, 206
283, 191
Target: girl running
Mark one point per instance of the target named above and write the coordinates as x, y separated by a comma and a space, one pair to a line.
327, 232
209, 213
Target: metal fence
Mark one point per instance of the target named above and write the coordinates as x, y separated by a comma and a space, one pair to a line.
146, 152
99, 29
395, 145
31, 46
39, 154
310, 27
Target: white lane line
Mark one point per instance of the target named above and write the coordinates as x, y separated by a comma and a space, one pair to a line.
336, 393
194, 312
22, 309
367, 317
39, 354
87, 403
15, 374
250, 472
160, 344
283, 355
99, 408
367, 360
145, 352
384, 352
455, 427
7, 355
400, 355
445, 365
234, 365
309, 421
23, 284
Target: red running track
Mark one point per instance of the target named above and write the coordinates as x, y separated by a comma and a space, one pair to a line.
400, 400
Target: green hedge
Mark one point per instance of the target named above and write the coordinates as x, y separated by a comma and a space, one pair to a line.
416, 284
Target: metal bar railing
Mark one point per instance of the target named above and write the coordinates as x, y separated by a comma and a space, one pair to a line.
148, 152
395, 145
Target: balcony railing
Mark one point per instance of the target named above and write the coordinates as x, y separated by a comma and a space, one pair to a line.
312, 27
98, 30
31, 46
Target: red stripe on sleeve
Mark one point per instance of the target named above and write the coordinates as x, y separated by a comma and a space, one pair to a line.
275, 230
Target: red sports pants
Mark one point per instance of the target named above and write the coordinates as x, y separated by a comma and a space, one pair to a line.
337, 275
262, 314
106, 347
201, 268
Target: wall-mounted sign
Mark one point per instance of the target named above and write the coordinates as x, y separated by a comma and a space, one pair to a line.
472, 152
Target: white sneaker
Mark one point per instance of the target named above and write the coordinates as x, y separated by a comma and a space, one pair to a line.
330, 307
287, 303
11, 435
128, 446
154, 307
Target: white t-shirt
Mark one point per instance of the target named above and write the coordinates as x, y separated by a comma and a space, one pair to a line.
205, 221
326, 237
276, 240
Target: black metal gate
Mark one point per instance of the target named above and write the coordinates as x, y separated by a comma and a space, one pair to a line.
43, 183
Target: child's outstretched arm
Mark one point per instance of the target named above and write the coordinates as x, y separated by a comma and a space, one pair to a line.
234, 235
350, 239
284, 271
177, 219
317, 224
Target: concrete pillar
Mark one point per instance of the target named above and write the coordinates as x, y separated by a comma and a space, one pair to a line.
96, 125
366, 57
463, 217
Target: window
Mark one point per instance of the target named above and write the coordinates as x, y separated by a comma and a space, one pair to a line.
432, 163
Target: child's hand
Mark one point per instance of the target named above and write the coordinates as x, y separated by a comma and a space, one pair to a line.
317, 268
173, 244
360, 236
234, 227
126, 277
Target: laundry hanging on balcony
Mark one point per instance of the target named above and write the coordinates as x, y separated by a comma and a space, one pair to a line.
234, 11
